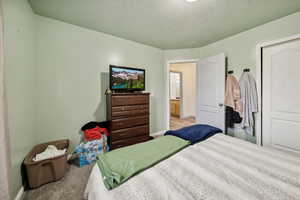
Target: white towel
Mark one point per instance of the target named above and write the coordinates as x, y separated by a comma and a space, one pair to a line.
50, 152
249, 98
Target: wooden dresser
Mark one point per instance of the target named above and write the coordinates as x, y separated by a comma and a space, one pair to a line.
128, 114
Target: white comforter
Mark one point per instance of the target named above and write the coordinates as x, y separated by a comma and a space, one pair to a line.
219, 168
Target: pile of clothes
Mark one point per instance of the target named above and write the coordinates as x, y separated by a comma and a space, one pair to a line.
95, 133
50, 152
94, 142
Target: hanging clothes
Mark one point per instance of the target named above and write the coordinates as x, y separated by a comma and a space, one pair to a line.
233, 94
231, 117
233, 111
249, 98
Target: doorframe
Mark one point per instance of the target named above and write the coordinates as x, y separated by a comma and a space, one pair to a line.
181, 92
167, 83
259, 77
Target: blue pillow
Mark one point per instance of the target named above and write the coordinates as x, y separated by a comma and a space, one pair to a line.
195, 133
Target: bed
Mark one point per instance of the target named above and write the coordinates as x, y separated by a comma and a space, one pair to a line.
218, 168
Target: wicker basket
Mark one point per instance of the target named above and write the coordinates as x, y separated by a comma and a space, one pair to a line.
49, 170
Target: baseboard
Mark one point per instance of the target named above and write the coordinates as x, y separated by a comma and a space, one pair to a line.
187, 117
20, 194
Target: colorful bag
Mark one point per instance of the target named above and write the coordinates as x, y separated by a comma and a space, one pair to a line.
88, 151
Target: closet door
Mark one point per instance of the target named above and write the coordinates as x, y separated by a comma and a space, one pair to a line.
281, 95
211, 91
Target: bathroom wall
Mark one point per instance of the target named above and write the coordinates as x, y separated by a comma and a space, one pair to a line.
188, 71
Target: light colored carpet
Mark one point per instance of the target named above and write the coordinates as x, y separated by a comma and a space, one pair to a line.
177, 123
71, 187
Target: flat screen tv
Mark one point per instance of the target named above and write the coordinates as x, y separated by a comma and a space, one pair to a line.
126, 78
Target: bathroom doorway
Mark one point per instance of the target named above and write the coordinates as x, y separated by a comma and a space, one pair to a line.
182, 99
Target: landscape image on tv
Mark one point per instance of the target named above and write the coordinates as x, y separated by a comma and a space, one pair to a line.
122, 78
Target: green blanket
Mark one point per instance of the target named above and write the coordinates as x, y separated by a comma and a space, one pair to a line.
121, 164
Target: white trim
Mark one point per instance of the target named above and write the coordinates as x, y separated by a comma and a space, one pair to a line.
168, 63
20, 194
278, 41
181, 92
258, 126
187, 117
258, 78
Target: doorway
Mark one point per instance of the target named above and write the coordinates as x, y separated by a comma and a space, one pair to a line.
182, 97
176, 94
209, 90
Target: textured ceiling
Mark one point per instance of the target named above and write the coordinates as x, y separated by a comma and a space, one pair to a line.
167, 24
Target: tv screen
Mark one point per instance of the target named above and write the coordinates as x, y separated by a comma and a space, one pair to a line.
126, 78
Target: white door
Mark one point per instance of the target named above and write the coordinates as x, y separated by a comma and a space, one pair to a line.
281, 95
211, 91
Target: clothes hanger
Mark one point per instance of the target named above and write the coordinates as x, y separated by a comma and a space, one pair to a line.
246, 70
230, 72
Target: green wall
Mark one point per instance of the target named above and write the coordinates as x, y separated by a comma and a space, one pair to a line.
56, 73
72, 76
19, 55
241, 49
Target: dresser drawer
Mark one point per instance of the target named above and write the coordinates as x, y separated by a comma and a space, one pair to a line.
130, 132
129, 100
129, 122
131, 113
129, 141
129, 108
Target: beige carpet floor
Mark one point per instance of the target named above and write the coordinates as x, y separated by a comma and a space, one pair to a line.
71, 187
